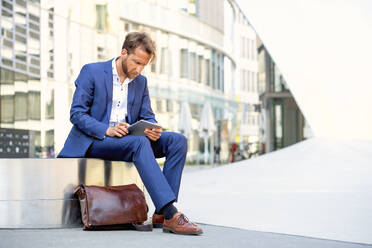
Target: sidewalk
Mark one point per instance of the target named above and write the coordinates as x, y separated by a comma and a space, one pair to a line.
214, 236
317, 188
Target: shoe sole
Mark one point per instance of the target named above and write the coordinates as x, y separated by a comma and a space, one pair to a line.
167, 230
157, 225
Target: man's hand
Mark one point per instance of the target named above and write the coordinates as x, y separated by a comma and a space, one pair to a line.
120, 130
153, 133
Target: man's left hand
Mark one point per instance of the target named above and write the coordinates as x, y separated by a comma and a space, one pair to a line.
153, 133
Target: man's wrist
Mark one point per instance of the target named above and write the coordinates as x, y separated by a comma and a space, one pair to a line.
108, 131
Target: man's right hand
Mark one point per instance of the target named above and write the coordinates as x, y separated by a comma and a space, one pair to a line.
120, 130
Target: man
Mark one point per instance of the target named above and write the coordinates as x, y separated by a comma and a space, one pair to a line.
110, 96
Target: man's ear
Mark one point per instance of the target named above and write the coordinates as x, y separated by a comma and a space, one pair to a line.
124, 51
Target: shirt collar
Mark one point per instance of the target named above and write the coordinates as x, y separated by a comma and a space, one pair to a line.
115, 72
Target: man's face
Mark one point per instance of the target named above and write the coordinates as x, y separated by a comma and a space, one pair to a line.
133, 64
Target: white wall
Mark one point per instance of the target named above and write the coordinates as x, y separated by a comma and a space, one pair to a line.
323, 49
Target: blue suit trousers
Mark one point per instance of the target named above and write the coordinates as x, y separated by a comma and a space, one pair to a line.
163, 186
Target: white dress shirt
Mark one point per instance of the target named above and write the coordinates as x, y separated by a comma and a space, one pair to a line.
119, 97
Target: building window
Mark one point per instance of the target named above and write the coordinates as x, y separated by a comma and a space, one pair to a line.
219, 81
126, 27
20, 106
254, 88
21, 66
248, 48
50, 71
207, 71
135, 27
33, 35
21, 3
7, 76
222, 73
34, 105
7, 62
34, 18
184, 63
254, 50
195, 110
200, 69
7, 109
242, 79
20, 39
22, 30
164, 64
192, 66
20, 77
101, 16
278, 127
153, 66
49, 106
51, 22
21, 57
159, 106
101, 53
248, 81
7, 6
169, 106
242, 47
213, 71
7, 43
272, 76
34, 61
34, 70
49, 143
34, 27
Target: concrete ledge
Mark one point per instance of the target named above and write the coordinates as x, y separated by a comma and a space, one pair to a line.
38, 193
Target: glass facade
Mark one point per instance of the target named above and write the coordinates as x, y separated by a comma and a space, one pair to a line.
21, 87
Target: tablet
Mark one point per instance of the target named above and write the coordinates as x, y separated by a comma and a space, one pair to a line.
138, 128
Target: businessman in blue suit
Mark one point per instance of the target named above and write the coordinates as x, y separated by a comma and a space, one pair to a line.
109, 96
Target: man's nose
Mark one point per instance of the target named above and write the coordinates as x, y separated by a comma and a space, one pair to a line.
139, 69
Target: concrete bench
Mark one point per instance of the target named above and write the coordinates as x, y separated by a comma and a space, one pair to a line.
38, 193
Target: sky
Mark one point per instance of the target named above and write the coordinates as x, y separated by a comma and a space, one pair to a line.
323, 48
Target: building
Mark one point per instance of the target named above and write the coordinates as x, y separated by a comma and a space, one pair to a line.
206, 54
26, 127
283, 123
246, 92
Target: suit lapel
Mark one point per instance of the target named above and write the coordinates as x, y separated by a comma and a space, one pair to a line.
109, 85
131, 94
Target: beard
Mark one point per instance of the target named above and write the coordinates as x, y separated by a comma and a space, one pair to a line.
124, 66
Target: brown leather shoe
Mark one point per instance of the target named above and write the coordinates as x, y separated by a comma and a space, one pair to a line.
180, 224
157, 220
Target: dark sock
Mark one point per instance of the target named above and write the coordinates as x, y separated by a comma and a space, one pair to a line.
168, 211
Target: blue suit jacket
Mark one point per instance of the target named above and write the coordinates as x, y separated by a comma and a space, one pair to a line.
91, 107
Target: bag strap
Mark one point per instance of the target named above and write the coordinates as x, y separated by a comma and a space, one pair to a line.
79, 190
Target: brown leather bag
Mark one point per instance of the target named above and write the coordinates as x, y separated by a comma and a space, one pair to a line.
113, 207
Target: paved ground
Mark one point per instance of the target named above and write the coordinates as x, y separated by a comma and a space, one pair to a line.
318, 188
214, 236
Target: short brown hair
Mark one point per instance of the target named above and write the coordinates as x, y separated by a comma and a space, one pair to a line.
140, 39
